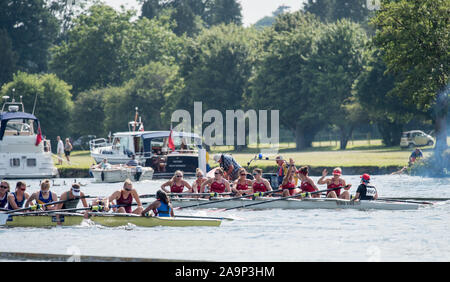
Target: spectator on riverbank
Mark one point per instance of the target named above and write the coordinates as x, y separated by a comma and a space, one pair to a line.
67, 149
60, 150
416, 154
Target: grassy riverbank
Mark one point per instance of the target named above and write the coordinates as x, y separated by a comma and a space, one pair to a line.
359, 156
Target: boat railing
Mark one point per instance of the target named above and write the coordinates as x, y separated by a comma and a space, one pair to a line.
99, 142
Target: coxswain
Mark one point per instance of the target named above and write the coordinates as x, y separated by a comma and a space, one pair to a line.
218, 184
124, 198
161, 207
17, 199
4, 191
365, 191
242, 184
288, 185
176, 184
307, 184
198, 182
72, 198
335, 182
44, 196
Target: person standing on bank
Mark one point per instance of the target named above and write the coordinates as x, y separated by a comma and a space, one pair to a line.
60, 150
67, 149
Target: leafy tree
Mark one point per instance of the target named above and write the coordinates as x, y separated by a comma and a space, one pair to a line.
373, 89
8, 58
89, 113
105, 48
333, 10
281, 75
413, 36
217, 67
31, 29
191, 15
334, 68
150, 91
223, 12
53, 100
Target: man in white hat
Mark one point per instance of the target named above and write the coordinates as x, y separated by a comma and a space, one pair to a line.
229, 165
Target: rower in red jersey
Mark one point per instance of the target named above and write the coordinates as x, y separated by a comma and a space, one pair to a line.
260, 184
335, 182
288, 184
198, 182
242, 184
218, 184
176, 184
307, 184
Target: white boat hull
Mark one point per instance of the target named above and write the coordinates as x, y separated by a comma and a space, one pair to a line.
121, 174
322, 203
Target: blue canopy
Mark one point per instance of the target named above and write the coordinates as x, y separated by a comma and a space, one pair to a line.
6, 116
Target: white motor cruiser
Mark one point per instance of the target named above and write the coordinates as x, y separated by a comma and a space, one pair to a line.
152, 149
23, 153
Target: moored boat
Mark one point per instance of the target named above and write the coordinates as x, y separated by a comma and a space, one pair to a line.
151, 149
24, 153
308, 203
121, 173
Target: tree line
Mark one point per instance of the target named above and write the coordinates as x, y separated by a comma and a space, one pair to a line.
332, 65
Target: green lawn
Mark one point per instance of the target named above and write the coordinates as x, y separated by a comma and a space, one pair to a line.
358, 153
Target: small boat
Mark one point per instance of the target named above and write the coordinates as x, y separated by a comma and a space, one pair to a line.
120, 173
117, 219
312, 203
105, 219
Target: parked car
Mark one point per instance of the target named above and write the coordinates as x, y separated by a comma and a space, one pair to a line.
82, 143
415, 138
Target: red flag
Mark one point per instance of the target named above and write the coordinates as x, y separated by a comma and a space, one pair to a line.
39, 136
171, 145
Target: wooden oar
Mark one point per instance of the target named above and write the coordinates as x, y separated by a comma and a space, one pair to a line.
48, 204
230, 199
284, 198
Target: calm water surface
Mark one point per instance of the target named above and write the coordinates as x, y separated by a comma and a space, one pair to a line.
268, 235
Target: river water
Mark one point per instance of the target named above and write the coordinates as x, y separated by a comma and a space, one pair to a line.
261, 236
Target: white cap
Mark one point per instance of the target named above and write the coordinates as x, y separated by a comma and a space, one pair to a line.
76, 191
216, 158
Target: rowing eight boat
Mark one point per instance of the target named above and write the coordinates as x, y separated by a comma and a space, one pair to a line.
308, 203
110, 220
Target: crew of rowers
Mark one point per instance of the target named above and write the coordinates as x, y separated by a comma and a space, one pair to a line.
121, 201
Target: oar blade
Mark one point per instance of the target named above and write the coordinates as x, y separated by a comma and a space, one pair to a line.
3, 218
